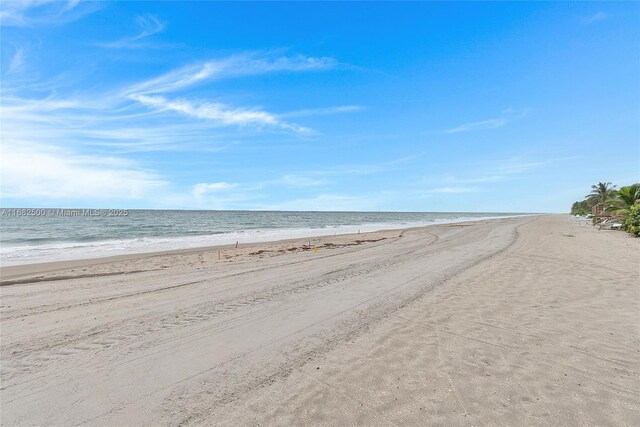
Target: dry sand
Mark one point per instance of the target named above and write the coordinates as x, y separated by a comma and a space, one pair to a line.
515, 321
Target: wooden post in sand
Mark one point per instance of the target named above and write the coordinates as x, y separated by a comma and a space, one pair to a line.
218, 255
236, 244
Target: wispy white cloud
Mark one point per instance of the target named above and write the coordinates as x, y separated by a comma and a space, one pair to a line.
218, 195
233, 66
506, 170
599, 16
485, 124
108, 122
219, 113
148, 24
320, 178
267, 62
515, 113
30, 13
178, 79
132, 121
517, 166
203, 188
508, 114
97, 128
323, 111
17, 62
356, 169
148, 92
62, 174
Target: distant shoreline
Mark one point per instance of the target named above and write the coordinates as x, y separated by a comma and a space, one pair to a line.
11, 273
78, 250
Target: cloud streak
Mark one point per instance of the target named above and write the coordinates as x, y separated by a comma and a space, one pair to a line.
233, 66
17, 62
508, 114
599, 16
149, 25
203, 188
323, 111
125, 120
32, 13
219, 113
152, 93
508, 169
485, 124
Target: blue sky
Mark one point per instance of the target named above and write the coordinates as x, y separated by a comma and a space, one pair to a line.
323, 106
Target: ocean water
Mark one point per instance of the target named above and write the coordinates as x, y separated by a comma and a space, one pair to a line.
41, 235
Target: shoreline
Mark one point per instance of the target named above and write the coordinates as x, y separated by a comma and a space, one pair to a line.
9, 274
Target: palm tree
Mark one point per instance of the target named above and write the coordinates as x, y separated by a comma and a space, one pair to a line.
601, 192
624, 198
630, 194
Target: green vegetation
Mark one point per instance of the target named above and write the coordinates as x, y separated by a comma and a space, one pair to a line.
622, 205
601, 192
632, 223
581, 208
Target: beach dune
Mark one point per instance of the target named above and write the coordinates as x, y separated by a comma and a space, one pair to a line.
528, 320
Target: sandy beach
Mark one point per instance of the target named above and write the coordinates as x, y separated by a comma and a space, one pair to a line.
516, 321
